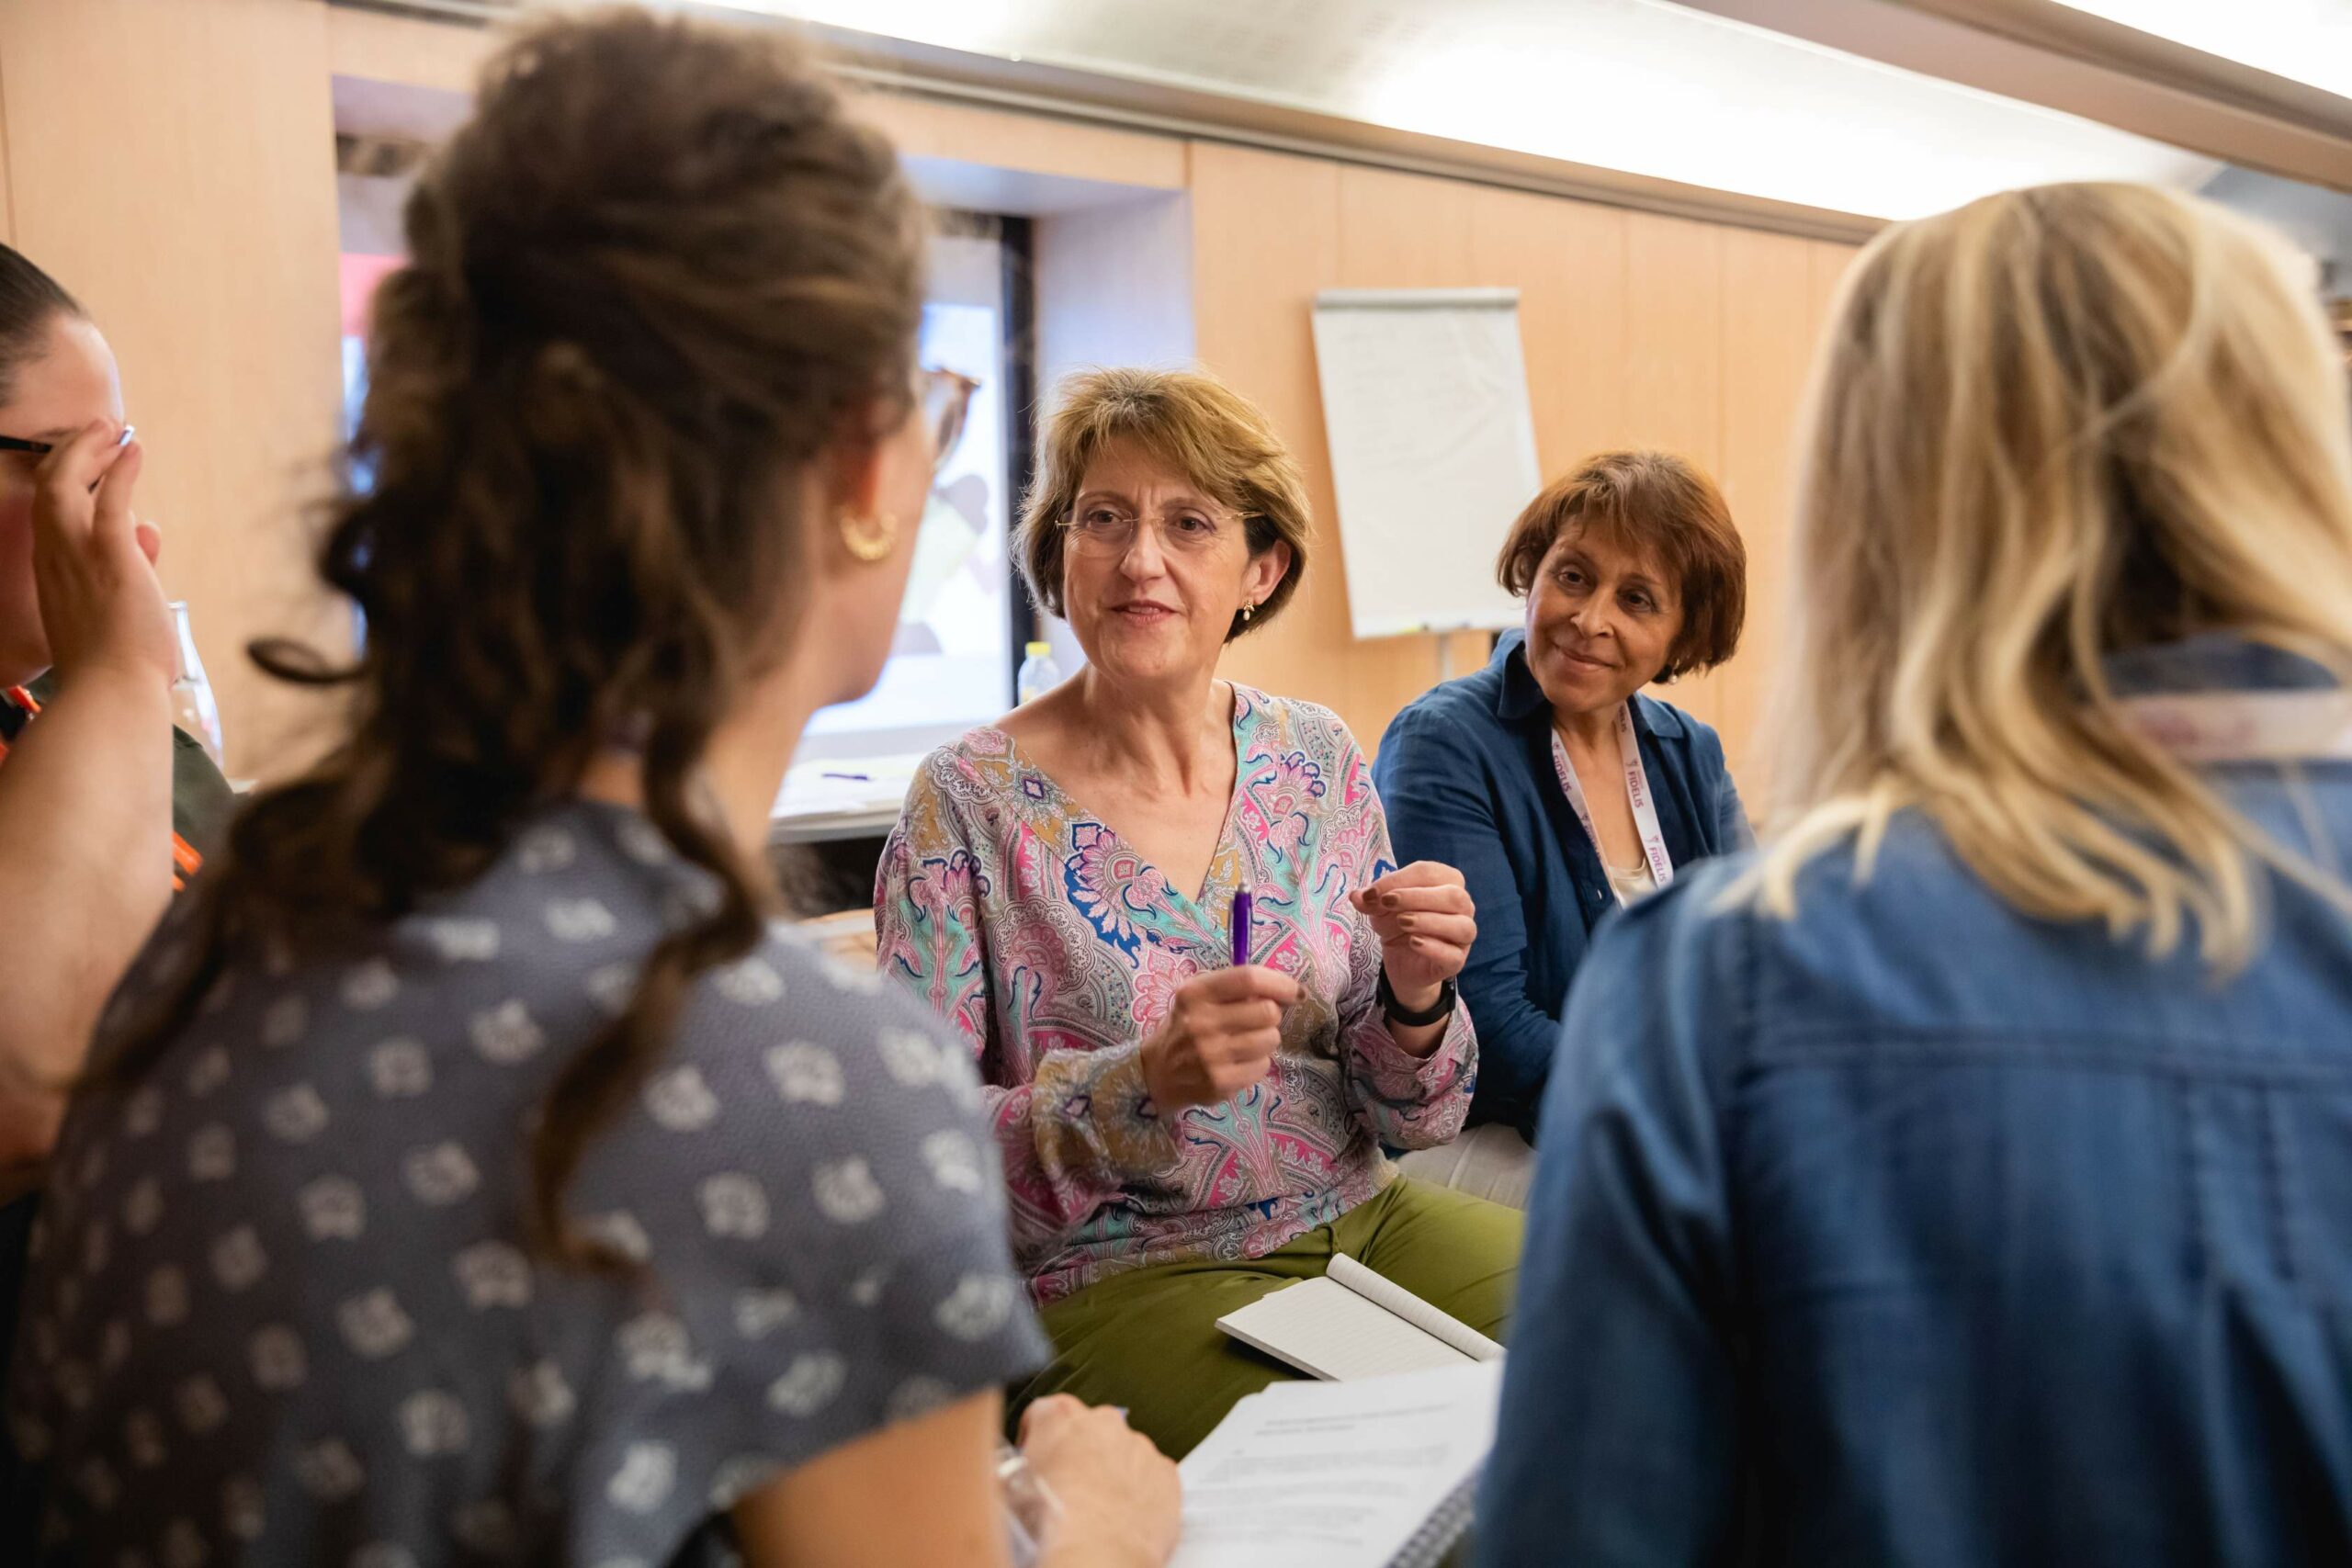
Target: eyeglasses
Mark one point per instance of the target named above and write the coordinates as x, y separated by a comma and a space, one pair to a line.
946, 398
43, 448
1107, 531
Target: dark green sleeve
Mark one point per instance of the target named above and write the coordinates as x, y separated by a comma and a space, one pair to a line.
201, 799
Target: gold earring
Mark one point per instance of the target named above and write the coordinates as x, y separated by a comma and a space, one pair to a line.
1248, 610
870, 539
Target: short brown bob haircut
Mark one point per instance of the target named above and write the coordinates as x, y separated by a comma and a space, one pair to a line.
1220, 441
1655, 504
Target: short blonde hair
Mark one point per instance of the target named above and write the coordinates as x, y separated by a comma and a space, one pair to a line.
1219, 440
2050, 425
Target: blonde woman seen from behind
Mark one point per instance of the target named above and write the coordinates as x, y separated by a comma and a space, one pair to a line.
1965, 1180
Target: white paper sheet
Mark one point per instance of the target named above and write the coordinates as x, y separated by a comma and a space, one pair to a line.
1353, 1323
837, 786
1334, 1474
1396, 1298
1327, 1331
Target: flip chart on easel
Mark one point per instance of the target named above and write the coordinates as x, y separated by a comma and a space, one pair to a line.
1433, 451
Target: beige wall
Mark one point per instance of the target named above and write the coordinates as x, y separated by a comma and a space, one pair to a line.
1638, 329
171, 161
204, 241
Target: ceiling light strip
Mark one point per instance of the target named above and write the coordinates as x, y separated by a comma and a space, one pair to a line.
1130, 104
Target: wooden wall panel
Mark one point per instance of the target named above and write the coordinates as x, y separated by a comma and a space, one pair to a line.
8, 205
1638, 331
925, 128
1830, 263
1265, 237
173, 163
1568, 259
1673, 368
376, 46
1673, 363
1767, 343
214, 270
1404, 231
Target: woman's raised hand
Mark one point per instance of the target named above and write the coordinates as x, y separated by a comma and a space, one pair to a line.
1427, 921
93, 567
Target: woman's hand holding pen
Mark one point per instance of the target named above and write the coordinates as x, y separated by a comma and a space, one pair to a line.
1219, 1037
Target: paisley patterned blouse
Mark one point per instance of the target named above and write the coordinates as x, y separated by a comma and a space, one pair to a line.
1055, 951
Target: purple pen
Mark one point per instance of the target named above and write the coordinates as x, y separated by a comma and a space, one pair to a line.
1241, 924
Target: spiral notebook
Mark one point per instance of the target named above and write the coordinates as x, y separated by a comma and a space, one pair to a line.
1353, 1323
1374, 1473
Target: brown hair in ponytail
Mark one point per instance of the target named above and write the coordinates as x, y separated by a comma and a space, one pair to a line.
657, 275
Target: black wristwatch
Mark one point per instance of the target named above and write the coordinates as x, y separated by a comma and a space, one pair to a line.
1437, 1011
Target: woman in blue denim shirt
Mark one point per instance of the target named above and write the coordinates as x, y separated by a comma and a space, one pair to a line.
1526, 774
1968, 1181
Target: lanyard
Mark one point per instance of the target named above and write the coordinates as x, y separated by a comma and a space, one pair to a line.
2246, 726
1637, 793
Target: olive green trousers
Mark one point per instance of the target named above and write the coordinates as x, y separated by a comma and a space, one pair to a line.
1147, 1340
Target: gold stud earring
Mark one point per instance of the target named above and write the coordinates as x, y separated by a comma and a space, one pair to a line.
870, 539
1248, 610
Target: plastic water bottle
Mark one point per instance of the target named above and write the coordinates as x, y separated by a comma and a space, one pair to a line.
1039, 674
193, 708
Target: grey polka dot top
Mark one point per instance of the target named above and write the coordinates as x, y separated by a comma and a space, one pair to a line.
283, 1310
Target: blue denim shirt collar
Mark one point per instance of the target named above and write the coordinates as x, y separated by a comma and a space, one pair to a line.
1520, 700
2213, 662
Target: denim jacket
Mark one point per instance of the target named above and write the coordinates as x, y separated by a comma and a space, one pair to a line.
1914, 1230
1466, 775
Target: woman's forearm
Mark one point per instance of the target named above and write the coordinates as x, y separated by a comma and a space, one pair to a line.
1417, 1038
1073, 1138
86, 817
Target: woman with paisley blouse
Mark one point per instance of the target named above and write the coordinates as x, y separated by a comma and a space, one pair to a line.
1191, 1115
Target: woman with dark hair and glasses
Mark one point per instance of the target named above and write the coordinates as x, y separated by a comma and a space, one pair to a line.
480, 1172
104, 808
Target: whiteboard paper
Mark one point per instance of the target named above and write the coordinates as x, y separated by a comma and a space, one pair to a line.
1433, 451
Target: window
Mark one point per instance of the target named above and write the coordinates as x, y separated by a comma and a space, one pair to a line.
951, 663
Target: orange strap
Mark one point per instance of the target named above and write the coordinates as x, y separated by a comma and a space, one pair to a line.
184, 860
24, 701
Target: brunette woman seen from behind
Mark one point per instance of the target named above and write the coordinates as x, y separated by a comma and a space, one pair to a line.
481, 1173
